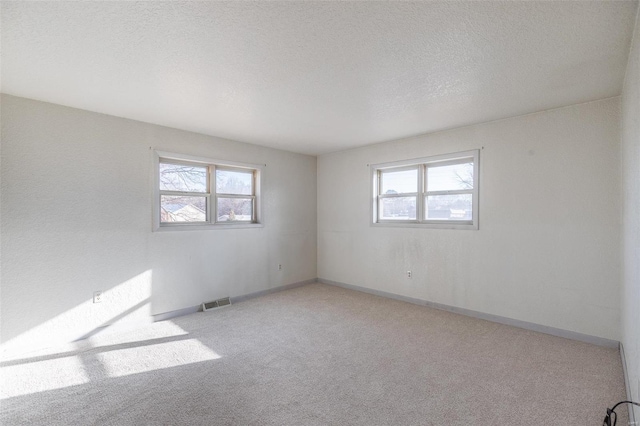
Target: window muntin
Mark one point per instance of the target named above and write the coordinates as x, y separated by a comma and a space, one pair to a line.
195, 192
437, 191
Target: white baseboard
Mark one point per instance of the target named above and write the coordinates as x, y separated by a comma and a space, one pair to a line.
10, 353
600, 341
235, 299
238, 299
627, 385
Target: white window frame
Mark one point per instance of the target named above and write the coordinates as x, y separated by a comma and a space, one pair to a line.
211, 196
422, 164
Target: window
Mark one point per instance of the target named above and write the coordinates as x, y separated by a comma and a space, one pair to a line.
195, 191
437, 192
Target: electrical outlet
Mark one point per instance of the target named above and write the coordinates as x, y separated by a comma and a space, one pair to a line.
97, 296
409, 274
279, 267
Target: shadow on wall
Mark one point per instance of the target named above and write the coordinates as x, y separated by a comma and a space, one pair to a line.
127, 302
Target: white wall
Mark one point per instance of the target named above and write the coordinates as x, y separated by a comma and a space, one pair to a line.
631, 218
548, 247
77, 212
76, 217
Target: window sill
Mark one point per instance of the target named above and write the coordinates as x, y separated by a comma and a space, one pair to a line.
205, 227
428, 225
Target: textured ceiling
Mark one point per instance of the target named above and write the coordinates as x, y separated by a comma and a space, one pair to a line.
315, 77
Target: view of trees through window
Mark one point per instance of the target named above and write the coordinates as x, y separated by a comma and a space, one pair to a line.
175, 180
235, 183
184, 191
449, 178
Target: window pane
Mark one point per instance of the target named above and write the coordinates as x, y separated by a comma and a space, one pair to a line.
450, 207
450, 178
180, 177
234, 182
235, 209
183, 209
399, 182
398, 208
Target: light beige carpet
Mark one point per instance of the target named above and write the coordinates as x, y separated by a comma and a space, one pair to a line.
316, 355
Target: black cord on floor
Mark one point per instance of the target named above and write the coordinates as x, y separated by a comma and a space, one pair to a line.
612, 415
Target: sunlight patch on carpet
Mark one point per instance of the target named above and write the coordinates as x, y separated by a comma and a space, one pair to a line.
24, 379
124, 362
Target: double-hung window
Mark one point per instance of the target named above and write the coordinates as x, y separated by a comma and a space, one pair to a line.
195, 191
235, 194
399, 189
437, 192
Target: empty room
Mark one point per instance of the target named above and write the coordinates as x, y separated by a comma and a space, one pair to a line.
320, 213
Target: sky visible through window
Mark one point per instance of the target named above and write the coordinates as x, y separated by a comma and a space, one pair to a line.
442, 178
185, 178
449, 178
400, 182
234, 182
